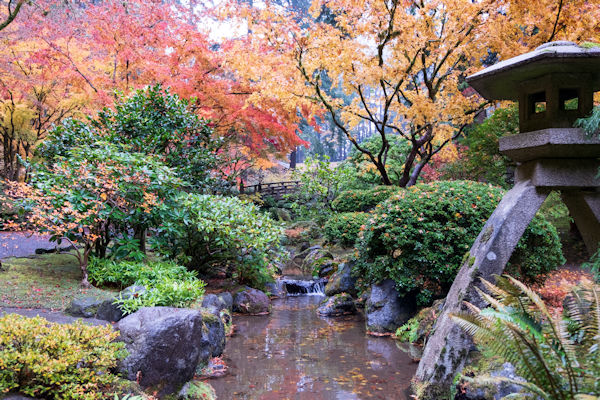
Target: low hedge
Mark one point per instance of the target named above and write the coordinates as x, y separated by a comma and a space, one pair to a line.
343, 228
52, 361
420, 236
362, 200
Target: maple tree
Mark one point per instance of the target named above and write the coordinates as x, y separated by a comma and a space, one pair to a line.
70, 59
403, 62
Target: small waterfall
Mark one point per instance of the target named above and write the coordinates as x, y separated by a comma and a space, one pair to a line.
303, 287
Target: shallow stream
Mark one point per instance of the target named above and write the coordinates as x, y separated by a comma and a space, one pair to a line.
295, 354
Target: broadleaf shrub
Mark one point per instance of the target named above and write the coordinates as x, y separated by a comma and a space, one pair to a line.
343, 228
52, 361
362, 200
419, 238
206, 232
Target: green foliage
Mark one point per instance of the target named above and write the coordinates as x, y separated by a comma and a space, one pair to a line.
169, 291
46, 360
362, 200
205, 232
154, 122
481, 159
409, 331
320, 183
111, 189
104, 272
166, 283
419, 238
590, 124
558, 356
344, 228
594, 265
363, 171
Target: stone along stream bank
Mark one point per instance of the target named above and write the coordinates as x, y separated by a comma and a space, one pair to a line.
293, 353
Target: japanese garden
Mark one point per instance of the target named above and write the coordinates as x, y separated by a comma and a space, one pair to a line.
296, 199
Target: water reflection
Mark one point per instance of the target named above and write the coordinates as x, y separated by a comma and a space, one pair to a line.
295, 354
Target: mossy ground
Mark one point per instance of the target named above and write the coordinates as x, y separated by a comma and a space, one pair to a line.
46, 281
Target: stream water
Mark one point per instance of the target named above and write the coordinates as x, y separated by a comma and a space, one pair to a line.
295, 354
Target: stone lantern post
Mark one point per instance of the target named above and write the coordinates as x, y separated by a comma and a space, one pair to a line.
554, 86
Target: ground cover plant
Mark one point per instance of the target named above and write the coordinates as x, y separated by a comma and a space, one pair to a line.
44, 281
421, 236
43, 359
165, 283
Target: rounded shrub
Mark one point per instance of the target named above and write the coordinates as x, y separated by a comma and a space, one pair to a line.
343, 228
420, 236
207, 232
362, 200
52, 361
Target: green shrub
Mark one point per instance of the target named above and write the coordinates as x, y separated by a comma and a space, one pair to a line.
164, 292
344, 228
103, 272
419, 237
52, 361
206, 232
362, 200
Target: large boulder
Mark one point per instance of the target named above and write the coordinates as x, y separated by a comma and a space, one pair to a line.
85, 307
341, 281
251, 301
165, 345
384, 310
314, 259
220, 301
475, 390
339, 304
109, 310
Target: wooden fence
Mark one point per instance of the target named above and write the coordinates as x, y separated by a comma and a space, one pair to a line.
275, 190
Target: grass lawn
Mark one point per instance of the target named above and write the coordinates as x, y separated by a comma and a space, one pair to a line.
46, 281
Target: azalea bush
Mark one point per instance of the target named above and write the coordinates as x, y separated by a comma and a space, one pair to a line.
343, 228
419, 238
208, 232
57, 361
362, 200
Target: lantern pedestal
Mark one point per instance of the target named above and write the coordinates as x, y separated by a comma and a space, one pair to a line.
554, 86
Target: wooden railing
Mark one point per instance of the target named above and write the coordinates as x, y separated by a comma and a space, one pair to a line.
275, 190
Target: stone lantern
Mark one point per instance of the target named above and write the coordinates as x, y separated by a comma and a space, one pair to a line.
554, 85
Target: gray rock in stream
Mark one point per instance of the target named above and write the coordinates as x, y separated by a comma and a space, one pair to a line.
384, 310
165, 345
339, 304
341, 281
251, 301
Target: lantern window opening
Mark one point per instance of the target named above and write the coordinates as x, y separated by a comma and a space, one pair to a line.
569, 99
537, 104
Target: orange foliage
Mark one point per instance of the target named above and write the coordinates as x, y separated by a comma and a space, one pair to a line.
559, 284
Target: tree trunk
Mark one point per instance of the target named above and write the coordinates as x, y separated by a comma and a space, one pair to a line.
83, 263
293, 159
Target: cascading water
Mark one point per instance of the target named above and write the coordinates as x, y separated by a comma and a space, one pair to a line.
303, 287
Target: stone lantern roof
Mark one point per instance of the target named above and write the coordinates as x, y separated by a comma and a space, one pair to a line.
502, 81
